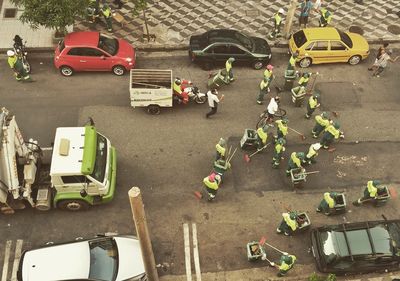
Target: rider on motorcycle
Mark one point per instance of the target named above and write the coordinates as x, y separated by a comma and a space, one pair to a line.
179, 87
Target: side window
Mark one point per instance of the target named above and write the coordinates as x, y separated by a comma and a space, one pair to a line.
210, 50
74, 179
310, 46
221, 49
76, 52
337, 46
90, 52
320, 46
236, 51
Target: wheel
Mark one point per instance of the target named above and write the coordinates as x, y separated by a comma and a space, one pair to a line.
258, 65
280, 113
73, 205
262, 122
354, 60
305, 62
119, 70
153, 109
200, 100
66, 70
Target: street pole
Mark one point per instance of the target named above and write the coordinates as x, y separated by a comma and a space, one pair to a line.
135, 199
289, 18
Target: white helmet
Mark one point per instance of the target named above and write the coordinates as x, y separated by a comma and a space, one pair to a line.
10, 53
281, 11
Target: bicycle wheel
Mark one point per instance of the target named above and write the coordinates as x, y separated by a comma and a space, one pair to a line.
261, 122
280, 113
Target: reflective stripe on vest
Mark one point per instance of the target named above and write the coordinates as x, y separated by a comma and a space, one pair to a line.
12, 61
287, 262
372, 190
295, 159
262, 135
210, 184
321, 121
291, 223
228, 66
263, 85
107, 12
312, 102
278, 19
292, 61
283, 128
267, 74
220, 149
177, 88
329, 200
333, 131
279, 148
303, 80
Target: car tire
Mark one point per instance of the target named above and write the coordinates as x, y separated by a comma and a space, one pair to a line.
305, 62
258, 65
73, 205
66, 70
119, 70
153, 109
354, 60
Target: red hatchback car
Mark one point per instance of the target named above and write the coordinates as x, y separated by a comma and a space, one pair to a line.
92, 51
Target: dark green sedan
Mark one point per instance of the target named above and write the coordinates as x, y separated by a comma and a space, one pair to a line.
217, 45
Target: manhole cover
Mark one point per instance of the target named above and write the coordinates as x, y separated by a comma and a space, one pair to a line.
10, 13
395, 29
356, 29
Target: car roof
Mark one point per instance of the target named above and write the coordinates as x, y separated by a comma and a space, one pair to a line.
222, 35
321, 33
83, 38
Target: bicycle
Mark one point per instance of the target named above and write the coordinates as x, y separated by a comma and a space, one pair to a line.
263, 120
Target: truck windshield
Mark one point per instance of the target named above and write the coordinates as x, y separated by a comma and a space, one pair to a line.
101, 159
103, 259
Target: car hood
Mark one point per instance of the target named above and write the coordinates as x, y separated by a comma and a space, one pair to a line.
125, 50
36, 263
260, 46
197, 42
130, 258
359, 42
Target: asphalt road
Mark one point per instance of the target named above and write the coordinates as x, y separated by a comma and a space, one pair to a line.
168, 155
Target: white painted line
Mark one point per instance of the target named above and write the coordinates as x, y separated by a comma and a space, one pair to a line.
17, 257
196, 253
187, 252
6, 259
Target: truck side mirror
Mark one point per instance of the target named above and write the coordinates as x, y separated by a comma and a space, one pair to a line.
83, 193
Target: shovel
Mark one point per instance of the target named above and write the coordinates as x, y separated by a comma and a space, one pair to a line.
247, 157
303, 137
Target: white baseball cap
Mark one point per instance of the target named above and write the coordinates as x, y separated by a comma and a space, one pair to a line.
10, 53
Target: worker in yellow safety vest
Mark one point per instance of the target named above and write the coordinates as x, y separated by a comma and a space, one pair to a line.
228, 68
370, 192
262, 136
212, 183
288, 224
325, 18
107, 13
328, 203
221, 149
331, 132
277, 24
296, 158
312, 153
279, 149
322, 121
312, 104
282, 128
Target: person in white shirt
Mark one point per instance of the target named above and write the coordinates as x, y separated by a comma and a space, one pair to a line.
272, 107
213, 101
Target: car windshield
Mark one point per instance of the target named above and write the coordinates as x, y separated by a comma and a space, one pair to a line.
244, 40
101, 159
299, 38
103, 259
346, 39
61, 45
108, 44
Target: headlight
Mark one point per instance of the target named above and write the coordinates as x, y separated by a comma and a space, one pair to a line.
128, 59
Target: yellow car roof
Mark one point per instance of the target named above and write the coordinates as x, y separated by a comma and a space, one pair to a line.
321, 33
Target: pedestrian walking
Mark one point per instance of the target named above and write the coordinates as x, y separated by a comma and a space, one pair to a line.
221, 149
382, 62
282, 128
228, 68
295, 160
325, 18
378, 56
305, 9
288, 224
272, 108
279, 149
370, 192
312, 154
212, 183
312, 104
321, 123
213, 101
331, 133
17, 66
107, 14
277, 24
328, 203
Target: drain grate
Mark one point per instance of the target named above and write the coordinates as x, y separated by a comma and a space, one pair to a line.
356, 29
394, 29
10, 13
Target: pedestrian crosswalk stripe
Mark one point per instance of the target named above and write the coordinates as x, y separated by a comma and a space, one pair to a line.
187, 252
6, 259
17, 256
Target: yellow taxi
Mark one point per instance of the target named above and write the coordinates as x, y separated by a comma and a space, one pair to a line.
327, 45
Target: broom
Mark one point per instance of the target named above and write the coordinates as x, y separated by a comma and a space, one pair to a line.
303, 137
247, 157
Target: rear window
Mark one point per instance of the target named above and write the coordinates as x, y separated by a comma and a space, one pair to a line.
346, 39
61, 45
299, 38
108, 44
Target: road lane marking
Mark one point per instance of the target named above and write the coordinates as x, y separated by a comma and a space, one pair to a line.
196, 252
17, 257
187, 252
6, 259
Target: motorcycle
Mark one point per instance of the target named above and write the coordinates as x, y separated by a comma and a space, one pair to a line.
22, 54
190, 93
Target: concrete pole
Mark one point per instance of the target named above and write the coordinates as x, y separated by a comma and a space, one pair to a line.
135, 199
289, 18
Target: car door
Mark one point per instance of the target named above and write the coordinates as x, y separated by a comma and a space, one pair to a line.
96, 60
75, 58
338, 52
318, 51
239, 54
221, 52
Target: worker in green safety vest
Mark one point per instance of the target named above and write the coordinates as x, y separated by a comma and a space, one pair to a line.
278, 151
212, 183
327, 204
331, 132
303, 81
107, 13
288, 224
282, 128
295, 161
325, 18
287, 262
312, 104
322, 121
277, 24
312, 154
221, 149
228, 68
264, 85
262, 136
370, 192
292, 61
17, 66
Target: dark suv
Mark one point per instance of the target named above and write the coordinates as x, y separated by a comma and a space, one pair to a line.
217, 45
359, 247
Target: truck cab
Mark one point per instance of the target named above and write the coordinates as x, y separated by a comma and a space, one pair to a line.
83, 168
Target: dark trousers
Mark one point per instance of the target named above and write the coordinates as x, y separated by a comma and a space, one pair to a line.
213, 110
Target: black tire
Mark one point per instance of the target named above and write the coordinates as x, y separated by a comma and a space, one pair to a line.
73, 205
118, 70
354, 60
257, 65
262, 121
305, 62
153, 109
280, 113
200, 100
66, 70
